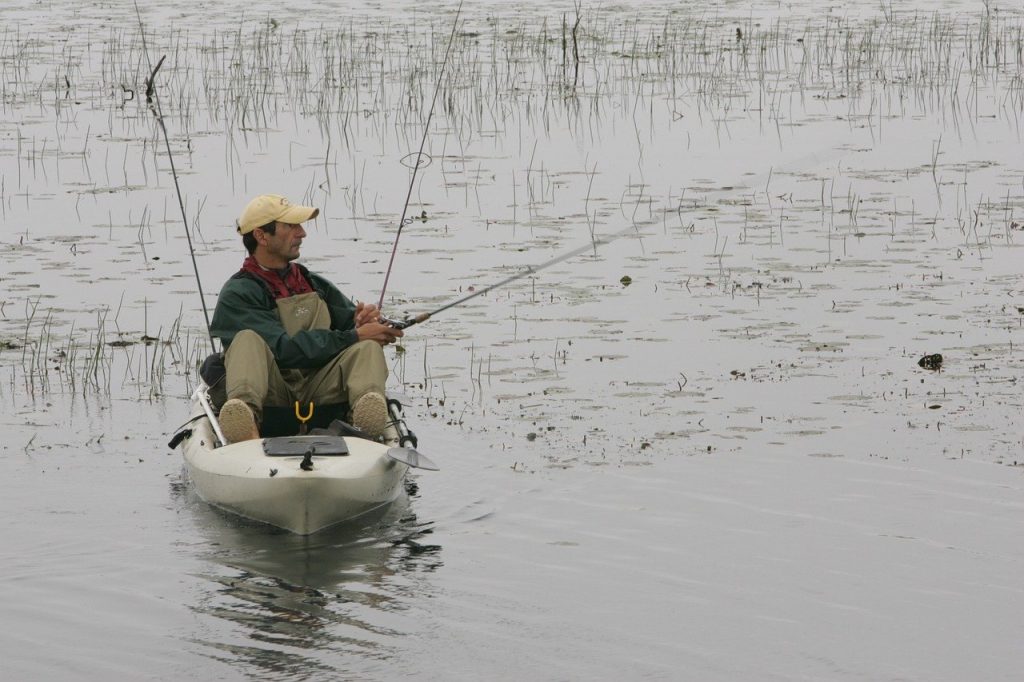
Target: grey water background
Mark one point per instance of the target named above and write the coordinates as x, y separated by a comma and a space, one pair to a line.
731, 468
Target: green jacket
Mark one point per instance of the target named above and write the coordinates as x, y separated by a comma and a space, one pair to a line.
246, 303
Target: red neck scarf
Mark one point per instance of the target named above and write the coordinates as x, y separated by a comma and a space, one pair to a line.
292, 283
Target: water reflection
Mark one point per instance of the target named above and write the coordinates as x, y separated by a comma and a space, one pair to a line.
303, 605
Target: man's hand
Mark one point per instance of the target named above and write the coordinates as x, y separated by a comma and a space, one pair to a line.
375, 331
366, 313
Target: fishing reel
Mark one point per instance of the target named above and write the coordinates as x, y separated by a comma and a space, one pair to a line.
395, 324
407, 322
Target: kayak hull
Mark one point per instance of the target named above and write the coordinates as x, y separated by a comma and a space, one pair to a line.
298, 493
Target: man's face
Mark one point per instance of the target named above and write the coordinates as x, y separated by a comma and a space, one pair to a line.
286, 241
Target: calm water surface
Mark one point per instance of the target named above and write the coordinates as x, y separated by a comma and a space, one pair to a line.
728, 466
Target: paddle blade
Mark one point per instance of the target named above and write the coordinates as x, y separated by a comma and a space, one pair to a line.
412, 458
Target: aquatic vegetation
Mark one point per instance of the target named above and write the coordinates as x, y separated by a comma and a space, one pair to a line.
770, 176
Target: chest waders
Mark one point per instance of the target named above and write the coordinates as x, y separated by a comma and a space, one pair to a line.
253, 375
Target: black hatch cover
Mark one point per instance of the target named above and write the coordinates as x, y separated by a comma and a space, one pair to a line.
297, 446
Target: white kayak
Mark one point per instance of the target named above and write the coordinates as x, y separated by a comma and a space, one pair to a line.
301, 483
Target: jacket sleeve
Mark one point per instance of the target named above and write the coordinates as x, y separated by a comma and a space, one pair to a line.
243, 304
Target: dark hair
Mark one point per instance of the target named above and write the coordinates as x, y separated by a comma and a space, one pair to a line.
250, 242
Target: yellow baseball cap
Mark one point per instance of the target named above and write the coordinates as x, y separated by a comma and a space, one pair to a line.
268, 208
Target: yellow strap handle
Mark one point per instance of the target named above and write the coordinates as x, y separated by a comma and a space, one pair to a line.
300, 417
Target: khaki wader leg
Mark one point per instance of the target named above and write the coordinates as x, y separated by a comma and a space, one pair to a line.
253, 375
359, 369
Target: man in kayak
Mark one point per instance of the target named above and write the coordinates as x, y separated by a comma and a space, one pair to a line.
289, 335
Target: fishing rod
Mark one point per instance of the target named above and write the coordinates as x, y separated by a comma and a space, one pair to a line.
814, 158
154, 102
419, 156
803, 161
530, 270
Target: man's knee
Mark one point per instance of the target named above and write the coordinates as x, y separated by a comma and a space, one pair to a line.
366, 359
247, 337
247, 351
367, 356
368, 347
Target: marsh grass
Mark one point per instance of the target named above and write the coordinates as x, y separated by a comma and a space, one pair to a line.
257, 76
360, 79
86, 360
595, 76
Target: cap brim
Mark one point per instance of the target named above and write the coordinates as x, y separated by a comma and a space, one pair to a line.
298, 214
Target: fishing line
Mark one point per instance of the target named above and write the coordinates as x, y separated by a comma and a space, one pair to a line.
154, 106
530, 270
419, 156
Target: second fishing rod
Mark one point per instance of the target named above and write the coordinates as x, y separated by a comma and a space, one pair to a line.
418, 161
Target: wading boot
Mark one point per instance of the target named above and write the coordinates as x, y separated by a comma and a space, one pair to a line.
370, 414
237, 422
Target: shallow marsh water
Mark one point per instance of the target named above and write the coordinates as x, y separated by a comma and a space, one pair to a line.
731, 468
